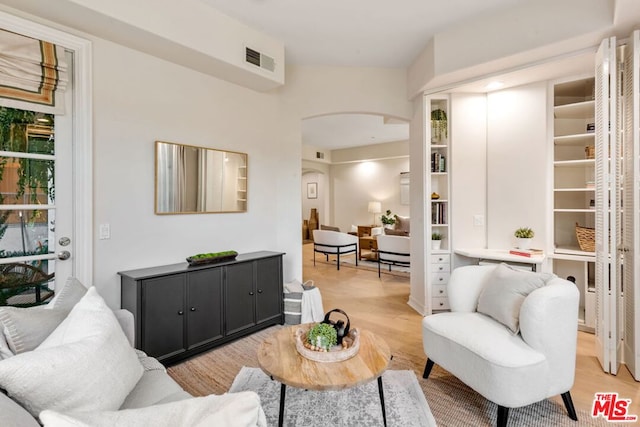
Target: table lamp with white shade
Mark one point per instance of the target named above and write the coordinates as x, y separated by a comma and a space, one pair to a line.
374, 208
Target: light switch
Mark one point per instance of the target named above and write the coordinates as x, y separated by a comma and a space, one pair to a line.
105, 231
478, 220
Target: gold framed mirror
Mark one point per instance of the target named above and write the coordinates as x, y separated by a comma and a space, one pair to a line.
191, 179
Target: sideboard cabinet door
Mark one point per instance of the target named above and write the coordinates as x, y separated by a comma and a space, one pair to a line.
163, 311
240, 297
204, 307
269, 289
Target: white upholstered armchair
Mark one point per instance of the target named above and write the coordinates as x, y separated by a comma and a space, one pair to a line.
511, 335
393, 250
334, 243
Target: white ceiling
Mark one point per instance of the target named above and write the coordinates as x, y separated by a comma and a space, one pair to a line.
352, 130
355, 33
371, 33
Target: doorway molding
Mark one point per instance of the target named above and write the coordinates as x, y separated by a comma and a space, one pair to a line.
82, 133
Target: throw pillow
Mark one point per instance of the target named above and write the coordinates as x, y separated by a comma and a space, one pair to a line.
505, 291
329, 227
392, 232
232, 409
86, 364
402, 223
24, 329
67, 297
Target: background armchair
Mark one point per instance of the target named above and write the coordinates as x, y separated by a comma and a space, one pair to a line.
393, 250
510, 368
334, 243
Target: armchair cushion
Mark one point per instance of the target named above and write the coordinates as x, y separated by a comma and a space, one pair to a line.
505, 291
392, 232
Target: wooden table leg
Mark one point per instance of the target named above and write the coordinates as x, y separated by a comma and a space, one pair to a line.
281, 414
384, 412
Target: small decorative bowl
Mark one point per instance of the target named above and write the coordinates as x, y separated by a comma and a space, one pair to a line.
336, 354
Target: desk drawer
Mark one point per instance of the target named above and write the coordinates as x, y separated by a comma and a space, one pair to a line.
440, 303
439, 291
440, 268
439, 279
440, 259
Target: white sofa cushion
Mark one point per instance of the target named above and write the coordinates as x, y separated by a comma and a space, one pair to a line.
69, 295
86, 364
228, 410
25, 329
504, 292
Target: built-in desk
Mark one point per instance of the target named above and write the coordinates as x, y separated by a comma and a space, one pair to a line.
535, 261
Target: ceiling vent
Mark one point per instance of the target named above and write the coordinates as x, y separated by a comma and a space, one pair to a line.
259, 59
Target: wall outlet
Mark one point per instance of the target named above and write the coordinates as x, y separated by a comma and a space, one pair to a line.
478, 220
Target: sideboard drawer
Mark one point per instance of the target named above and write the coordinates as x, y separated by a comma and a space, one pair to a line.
440, 259
440, 268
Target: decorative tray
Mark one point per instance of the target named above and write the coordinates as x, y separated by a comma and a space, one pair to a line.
201, 259
336, 354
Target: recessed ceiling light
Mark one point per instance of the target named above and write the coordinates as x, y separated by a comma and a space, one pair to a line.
495, 85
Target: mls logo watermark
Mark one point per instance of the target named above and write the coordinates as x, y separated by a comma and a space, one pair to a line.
612, 408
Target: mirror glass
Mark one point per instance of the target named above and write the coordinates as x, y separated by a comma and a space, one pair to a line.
199, 180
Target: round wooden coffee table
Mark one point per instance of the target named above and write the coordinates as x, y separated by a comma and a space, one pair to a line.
279, 359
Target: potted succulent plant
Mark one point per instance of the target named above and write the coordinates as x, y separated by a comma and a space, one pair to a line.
524, 235
436, 240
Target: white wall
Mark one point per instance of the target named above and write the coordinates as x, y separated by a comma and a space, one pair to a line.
321, 202
517, 179
139, 99
469, 166
354, 185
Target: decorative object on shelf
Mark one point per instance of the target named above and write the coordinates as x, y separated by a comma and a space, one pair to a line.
435, 196
586, 238
590, 151
439, 126
212, 257
524, 236
388, 219
436, 240
314, 221
527, 252
591, 127
312, 190
374, 208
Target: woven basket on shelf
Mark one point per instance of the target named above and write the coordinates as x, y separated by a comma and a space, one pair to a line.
590, 152
586, 238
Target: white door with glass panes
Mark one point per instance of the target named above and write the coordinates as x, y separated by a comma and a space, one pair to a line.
44, 198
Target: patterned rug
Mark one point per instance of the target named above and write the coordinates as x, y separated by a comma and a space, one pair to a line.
364, 264
451, 402
405, 403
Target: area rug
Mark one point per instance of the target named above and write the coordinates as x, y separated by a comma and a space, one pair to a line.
364, 264
405, 403
451, 401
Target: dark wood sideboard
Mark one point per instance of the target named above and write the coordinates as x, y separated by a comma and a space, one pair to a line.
182, 310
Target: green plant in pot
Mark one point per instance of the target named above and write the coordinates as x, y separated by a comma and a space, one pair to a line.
523, 236
436, 240
439, 127
388, 218
322, 336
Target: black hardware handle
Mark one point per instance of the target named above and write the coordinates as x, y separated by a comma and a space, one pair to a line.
180, 313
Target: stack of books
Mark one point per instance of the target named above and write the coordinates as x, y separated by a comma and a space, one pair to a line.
526, 252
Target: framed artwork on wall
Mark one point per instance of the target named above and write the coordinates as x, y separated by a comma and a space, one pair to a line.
312, 190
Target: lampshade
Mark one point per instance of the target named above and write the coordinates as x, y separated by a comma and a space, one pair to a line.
375, 207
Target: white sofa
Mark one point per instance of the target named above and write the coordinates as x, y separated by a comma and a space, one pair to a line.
148, 394
511, 335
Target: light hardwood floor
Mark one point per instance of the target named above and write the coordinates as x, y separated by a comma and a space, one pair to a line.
380, 305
